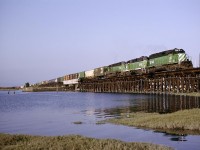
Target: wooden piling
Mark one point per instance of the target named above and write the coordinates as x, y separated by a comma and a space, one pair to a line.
167, 82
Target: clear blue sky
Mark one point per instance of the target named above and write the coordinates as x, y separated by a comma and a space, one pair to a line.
44, 39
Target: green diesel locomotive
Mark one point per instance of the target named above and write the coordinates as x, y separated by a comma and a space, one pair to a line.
168, 60
174, 59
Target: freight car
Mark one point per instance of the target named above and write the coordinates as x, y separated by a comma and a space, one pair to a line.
89, 74
82, 75
59, 79
100, 72
71, 79
51, 81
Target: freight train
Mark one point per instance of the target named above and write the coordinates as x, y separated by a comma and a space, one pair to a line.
169, 60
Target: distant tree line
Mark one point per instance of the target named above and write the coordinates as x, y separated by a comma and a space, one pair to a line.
27, 84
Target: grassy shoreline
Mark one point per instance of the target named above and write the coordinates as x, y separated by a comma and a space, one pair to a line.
9, 89
180, 122
192, 94
196, 94
27, 142
46, 89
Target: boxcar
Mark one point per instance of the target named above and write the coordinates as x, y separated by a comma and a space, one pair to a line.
75, 76
81, 75
71, 81
98, 72
60, 79
89, 73
71, 76
65, 77
51, 81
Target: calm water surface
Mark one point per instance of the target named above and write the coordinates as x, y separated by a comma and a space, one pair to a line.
52, 113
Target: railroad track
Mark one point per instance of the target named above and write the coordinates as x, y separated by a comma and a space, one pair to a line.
187, 80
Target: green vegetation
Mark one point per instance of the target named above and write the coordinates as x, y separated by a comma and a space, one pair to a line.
186, 120
189, 94
9, 88
42, 89
72, 142
27, 84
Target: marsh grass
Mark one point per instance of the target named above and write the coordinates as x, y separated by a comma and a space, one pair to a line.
196, 94
185, 120
72, 142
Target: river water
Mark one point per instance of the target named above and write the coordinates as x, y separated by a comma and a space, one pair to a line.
52, 113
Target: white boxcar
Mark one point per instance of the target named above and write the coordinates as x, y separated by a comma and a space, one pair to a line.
89, 73
73, 81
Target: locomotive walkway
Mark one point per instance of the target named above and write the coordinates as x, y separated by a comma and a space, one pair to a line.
181, 81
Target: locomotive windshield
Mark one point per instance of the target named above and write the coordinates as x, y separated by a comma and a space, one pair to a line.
179, 50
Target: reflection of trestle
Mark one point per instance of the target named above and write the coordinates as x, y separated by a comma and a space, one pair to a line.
163, 82
161, 103
164, 103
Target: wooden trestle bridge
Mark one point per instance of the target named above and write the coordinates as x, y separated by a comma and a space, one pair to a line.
182, 81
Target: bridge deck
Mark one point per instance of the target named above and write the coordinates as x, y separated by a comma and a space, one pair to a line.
182, 81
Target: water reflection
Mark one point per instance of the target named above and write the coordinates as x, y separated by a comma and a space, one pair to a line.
154, 103
174, 136
178, 138
52, 113
170, 103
